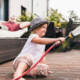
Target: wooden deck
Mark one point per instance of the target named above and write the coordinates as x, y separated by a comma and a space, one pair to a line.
65, 66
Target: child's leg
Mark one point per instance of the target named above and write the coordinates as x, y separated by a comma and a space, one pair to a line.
22, 64
20, 69
32, 73
43, 61
39, 70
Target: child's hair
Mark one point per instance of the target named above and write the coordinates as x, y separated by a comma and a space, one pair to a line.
33, 31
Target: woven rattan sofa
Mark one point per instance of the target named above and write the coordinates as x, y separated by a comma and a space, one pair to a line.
10, 45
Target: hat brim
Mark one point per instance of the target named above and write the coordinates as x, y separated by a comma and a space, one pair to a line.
37, 25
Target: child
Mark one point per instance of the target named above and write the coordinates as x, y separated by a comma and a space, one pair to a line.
33, 49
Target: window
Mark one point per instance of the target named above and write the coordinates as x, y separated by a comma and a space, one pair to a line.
6, 10
23, 9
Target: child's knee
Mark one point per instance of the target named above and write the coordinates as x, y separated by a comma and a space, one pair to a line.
42, 69
30, 56
28, 59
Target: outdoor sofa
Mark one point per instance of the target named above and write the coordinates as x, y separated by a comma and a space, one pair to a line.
11, 44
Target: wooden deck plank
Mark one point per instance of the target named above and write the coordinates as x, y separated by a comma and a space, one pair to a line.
65, 66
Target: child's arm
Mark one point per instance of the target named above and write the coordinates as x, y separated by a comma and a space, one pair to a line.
39, 40
43, 60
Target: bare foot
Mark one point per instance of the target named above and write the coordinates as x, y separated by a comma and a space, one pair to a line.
15, 76
20, 79
50, 72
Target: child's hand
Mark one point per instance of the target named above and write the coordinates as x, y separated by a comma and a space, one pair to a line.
62, 39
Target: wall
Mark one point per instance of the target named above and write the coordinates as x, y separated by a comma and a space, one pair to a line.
15, 7
30, 6
40, 7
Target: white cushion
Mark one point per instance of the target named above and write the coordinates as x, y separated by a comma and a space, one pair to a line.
17, 34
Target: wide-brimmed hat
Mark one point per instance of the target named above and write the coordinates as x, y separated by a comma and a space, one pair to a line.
37, 22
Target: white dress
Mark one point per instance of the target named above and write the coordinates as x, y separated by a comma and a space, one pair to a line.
32, 48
